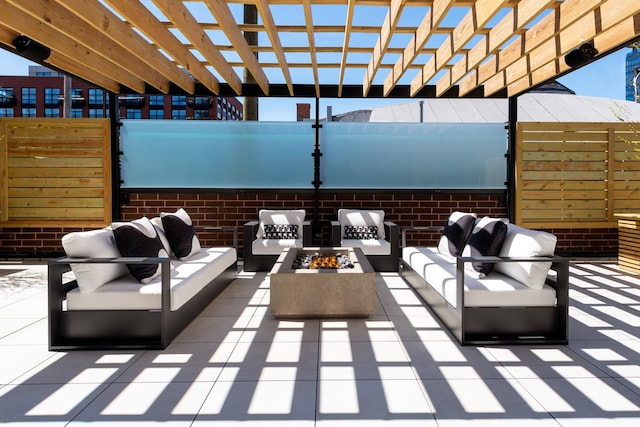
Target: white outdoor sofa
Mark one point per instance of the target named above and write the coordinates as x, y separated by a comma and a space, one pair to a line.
123, 312
523, 301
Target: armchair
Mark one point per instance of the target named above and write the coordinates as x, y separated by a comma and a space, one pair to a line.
274, 231
366, 229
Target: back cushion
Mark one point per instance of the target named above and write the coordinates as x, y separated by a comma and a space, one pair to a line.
456, 232
268, 216
359, 217
523, 242
93, 244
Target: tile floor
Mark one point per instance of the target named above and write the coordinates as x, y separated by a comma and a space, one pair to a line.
235, 365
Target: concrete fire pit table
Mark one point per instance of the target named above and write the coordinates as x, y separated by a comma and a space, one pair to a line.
303, 293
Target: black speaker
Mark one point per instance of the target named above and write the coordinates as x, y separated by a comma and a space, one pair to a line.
31, 49
581, 56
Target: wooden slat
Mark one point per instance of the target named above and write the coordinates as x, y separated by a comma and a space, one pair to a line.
345, 44
470, 25
78, 202
49, 35
272, 32
223, 15
120, 33
432, 19
49, 193
308, 18
384, 37
144, 20
178, 13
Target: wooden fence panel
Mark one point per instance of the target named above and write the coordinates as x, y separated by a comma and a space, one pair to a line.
576, 175
55, 172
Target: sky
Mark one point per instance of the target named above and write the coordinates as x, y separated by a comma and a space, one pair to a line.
603, 78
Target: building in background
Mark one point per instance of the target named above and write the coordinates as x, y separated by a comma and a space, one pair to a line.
632, 73
41, 94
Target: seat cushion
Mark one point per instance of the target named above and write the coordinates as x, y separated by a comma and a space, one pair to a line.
269, 216
359, 217
496, 290
273, 246
368, 246
187, 279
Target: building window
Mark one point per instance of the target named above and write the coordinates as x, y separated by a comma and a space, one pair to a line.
178, 102
179, 114
52, 96
156, 114
6, 112
96, 113
96, 97
28, 97
201, 114
133, 113
28, 112
52, 112
76, 113
156, 101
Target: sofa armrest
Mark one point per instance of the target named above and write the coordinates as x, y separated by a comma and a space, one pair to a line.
224, 228
307, 234
57, 267
335, 234
406, 230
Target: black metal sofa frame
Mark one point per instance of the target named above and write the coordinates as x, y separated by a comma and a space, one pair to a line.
264, 262
390, 262
498, 325
124, 329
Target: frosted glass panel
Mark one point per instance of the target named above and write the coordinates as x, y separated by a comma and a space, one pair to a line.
216, 154
414, 155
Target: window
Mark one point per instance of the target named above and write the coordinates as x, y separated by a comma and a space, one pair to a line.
28, 112
96, 97
178, 102
201, 114
96, 113
6, 112
6, 94
156, 114
52, 112
133, 113
179, 114
28, 97
156, 102
76, 113
52, 96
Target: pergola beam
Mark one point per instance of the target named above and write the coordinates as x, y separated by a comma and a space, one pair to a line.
140, 17
272, 32
345, 44
308, 17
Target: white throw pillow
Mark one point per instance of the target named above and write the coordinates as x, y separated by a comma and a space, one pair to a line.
270, 216
523, 242
93, 244
360, 217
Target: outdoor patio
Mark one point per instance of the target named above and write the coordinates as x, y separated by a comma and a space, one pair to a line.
237, 365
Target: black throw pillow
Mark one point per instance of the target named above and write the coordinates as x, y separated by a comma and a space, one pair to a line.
486, 240
456, 233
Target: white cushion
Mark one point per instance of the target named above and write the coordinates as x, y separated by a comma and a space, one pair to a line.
496, 290
187, 279
523, 242
269, 216
369, 246
361, 217
273, 246
93, 244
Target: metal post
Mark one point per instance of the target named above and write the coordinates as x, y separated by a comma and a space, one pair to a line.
114, 121
511, 158
316, 177
66, 99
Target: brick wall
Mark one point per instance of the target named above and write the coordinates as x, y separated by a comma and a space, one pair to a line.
234, 209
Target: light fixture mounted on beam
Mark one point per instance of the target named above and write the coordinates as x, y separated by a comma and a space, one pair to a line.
31, 49
581, 55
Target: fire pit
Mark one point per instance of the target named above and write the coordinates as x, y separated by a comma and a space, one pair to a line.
325, 291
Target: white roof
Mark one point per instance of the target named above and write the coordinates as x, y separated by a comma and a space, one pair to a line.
532, 107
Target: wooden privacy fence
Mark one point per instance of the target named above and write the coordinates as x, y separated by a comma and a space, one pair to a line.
55, 172
576, 175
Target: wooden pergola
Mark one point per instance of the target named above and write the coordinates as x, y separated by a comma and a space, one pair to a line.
367, 48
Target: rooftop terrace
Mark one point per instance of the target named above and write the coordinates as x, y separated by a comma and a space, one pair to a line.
237, 365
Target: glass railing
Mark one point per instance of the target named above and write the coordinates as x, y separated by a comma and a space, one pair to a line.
273, 155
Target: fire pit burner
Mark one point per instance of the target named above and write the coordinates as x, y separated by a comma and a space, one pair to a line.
319, 261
